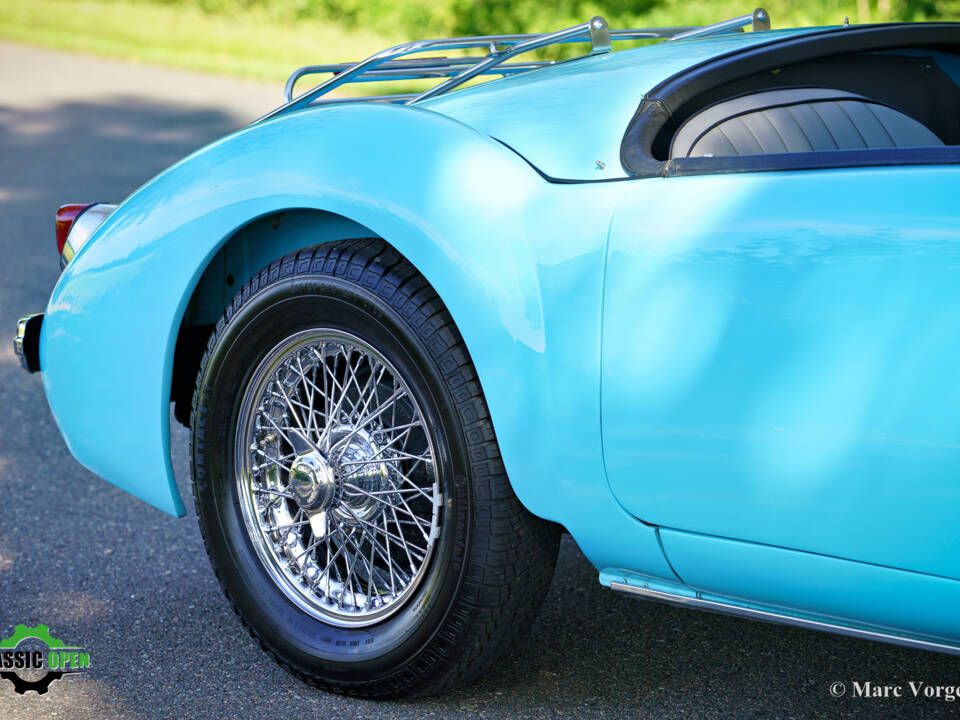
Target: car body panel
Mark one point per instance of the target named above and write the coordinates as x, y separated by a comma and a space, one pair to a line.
817, 586
467, 212
700, 317
785, 373
564, 119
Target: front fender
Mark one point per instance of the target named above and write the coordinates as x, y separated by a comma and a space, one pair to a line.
497, 242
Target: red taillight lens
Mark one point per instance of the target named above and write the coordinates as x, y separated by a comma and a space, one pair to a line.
65, 217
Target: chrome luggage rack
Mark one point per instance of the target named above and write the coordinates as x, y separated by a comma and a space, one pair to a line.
386, 65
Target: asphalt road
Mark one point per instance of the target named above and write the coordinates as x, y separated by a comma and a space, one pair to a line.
133, 586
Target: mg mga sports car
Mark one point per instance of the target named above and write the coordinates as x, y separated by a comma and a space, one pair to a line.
694, 302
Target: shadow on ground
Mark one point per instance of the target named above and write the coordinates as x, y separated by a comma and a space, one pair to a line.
134, 586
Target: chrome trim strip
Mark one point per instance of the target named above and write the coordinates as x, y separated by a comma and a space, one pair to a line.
780, 619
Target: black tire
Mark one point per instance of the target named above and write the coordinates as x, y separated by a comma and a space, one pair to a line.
493, 561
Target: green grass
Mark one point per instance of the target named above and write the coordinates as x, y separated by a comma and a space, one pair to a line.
250, 44
265, 42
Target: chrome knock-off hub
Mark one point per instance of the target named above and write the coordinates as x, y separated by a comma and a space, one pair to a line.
313, 483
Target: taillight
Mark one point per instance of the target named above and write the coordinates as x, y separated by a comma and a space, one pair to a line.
66, 214
75, 224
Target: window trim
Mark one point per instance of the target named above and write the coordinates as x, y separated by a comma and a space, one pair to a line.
813, 160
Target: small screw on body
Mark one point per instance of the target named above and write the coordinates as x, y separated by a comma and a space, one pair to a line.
601, 165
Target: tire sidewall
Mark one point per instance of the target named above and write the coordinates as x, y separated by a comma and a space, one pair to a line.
263, 320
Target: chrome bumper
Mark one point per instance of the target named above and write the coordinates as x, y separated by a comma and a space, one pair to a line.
26, 343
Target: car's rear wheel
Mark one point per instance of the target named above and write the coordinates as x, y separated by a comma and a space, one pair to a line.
348, 482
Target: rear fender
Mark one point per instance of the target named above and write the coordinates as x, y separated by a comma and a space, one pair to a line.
497, 242
128, 287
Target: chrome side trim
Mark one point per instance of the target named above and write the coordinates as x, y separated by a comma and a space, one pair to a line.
781, 619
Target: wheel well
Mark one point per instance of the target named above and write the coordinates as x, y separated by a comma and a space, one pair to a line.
243, 253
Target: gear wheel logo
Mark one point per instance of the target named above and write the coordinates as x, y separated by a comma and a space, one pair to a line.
32, 658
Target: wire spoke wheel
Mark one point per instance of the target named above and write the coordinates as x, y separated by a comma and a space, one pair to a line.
348, 481
337, 478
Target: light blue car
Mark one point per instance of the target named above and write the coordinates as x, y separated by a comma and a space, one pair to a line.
696, 303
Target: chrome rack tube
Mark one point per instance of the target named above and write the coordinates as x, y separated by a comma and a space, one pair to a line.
596, 26
759, 18
408, 70
386, 65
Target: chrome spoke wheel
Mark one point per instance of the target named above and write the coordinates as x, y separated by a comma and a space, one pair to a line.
337, 478
349, 485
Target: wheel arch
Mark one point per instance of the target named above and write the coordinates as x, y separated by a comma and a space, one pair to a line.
241, 254
246, 248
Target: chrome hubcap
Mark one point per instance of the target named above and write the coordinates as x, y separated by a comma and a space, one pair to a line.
313, 483
338, 484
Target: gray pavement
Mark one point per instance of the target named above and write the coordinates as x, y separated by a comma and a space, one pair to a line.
134, 586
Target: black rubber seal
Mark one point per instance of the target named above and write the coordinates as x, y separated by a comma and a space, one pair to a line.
30, 349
